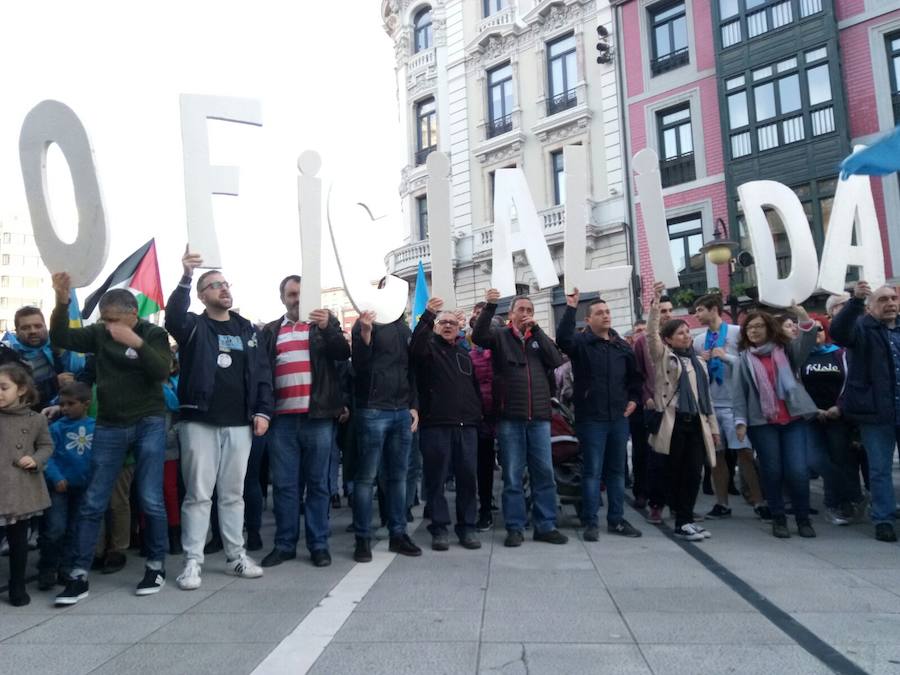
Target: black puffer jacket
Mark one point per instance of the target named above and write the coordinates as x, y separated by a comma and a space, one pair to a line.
384, 378
523, 367
448, 390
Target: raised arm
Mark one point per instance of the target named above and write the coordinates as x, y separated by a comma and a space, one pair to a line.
654, 341
565, 331
483, 334
845, 329
61, 335
420, 345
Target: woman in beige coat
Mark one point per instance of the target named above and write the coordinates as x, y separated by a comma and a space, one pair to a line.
688, 427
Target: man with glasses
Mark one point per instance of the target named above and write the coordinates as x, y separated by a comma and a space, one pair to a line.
449, 414
224, 386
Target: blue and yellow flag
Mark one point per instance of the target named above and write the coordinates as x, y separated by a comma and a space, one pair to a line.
74, 312
421, 297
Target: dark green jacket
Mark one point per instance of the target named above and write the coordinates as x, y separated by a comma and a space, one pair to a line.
129, 383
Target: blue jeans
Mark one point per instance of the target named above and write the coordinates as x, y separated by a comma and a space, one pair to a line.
781, 449
334, 465
528, 443
58, 528
604, 445
300, 444
382, 433
148, 439
879, 441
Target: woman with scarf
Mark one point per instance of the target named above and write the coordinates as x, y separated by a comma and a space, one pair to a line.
773, 407
688, 427
830, 451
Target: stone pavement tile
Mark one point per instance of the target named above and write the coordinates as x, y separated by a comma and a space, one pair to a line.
715, 599
572, 556
228, 628
436, 595
730, 658
766, 576
297, 576
852, 628
862, 556
513, 658
888, 579
874, 659
196, 659
427, 626
71, 660
87, 629
830, 598
402, 658
170, 600
560, 590
258, 602
704, 628
656, 573
12, 622
555, 626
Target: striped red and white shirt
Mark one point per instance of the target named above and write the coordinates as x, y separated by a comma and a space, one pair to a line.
293, 372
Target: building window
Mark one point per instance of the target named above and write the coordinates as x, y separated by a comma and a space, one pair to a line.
422, 35
4, 282
500, 100
426, 130
493, 6
558, 167
422, 217
750, 18
685, 240
668, 24
676, 145
562, 73
780, 104
893, 52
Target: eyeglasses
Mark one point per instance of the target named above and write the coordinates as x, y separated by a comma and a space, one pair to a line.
216, 285
447, 322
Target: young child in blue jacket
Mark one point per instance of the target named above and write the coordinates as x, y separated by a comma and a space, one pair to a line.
67, 473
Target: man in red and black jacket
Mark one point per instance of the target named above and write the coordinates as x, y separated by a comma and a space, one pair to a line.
524, 359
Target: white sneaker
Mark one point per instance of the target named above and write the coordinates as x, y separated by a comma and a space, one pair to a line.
689, 533
245, 567
702, 530
835, 517
189, 579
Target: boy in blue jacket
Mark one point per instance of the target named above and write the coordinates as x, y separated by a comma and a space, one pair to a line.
68, 472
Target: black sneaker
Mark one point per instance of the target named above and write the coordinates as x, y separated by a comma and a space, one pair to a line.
404, 546
763, 512
514, 538
485, 523
779, 527
470, 541
76, 589
277, 557
553, 536
805, 529
592, 533
624, 529
885, 532
440, 541
18, 596
152, 582
719, 511
46, 580
320, 557
254, 541
363, 551
113, 562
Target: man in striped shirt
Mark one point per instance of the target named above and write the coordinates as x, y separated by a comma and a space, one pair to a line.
307, 402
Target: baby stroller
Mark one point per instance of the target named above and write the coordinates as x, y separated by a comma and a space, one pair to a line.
567, 460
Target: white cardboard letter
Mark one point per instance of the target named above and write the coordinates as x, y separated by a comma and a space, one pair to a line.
202, 180
440, 237
511, 191
801, 282
54, 122
649, 187
309, 191
853, 207
605, 278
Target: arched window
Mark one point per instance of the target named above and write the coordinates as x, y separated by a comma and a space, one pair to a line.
422, 30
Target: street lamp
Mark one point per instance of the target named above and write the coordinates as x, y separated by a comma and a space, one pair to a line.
719, 252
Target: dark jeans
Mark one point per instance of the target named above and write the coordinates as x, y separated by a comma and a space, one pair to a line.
880, 441
657, 479
604, 446
781, 449
442, 447
384, 433
414, 471
253, 485
300, 441
58, 528
640, 453
527, 443
486, 461
831, 455
684, 466
148, 439
17, 537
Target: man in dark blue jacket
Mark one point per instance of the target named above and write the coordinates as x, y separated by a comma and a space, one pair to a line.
607, 391
872, 392
225, 384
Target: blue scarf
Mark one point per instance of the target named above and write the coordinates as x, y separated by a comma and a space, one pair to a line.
825, 349
715, 366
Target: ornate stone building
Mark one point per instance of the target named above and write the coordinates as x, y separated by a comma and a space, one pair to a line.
509, 83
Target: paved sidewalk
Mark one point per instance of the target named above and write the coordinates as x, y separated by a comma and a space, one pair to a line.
617, 606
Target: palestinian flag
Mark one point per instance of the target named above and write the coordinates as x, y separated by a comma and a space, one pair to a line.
139, 273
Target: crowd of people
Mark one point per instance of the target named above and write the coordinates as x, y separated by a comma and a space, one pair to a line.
171, 435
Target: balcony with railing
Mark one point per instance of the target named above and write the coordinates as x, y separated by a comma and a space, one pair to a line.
500, 125
554, 224
564, 101
678, 170
404, 261
502, 18
422, 155
421, 60
670, 61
